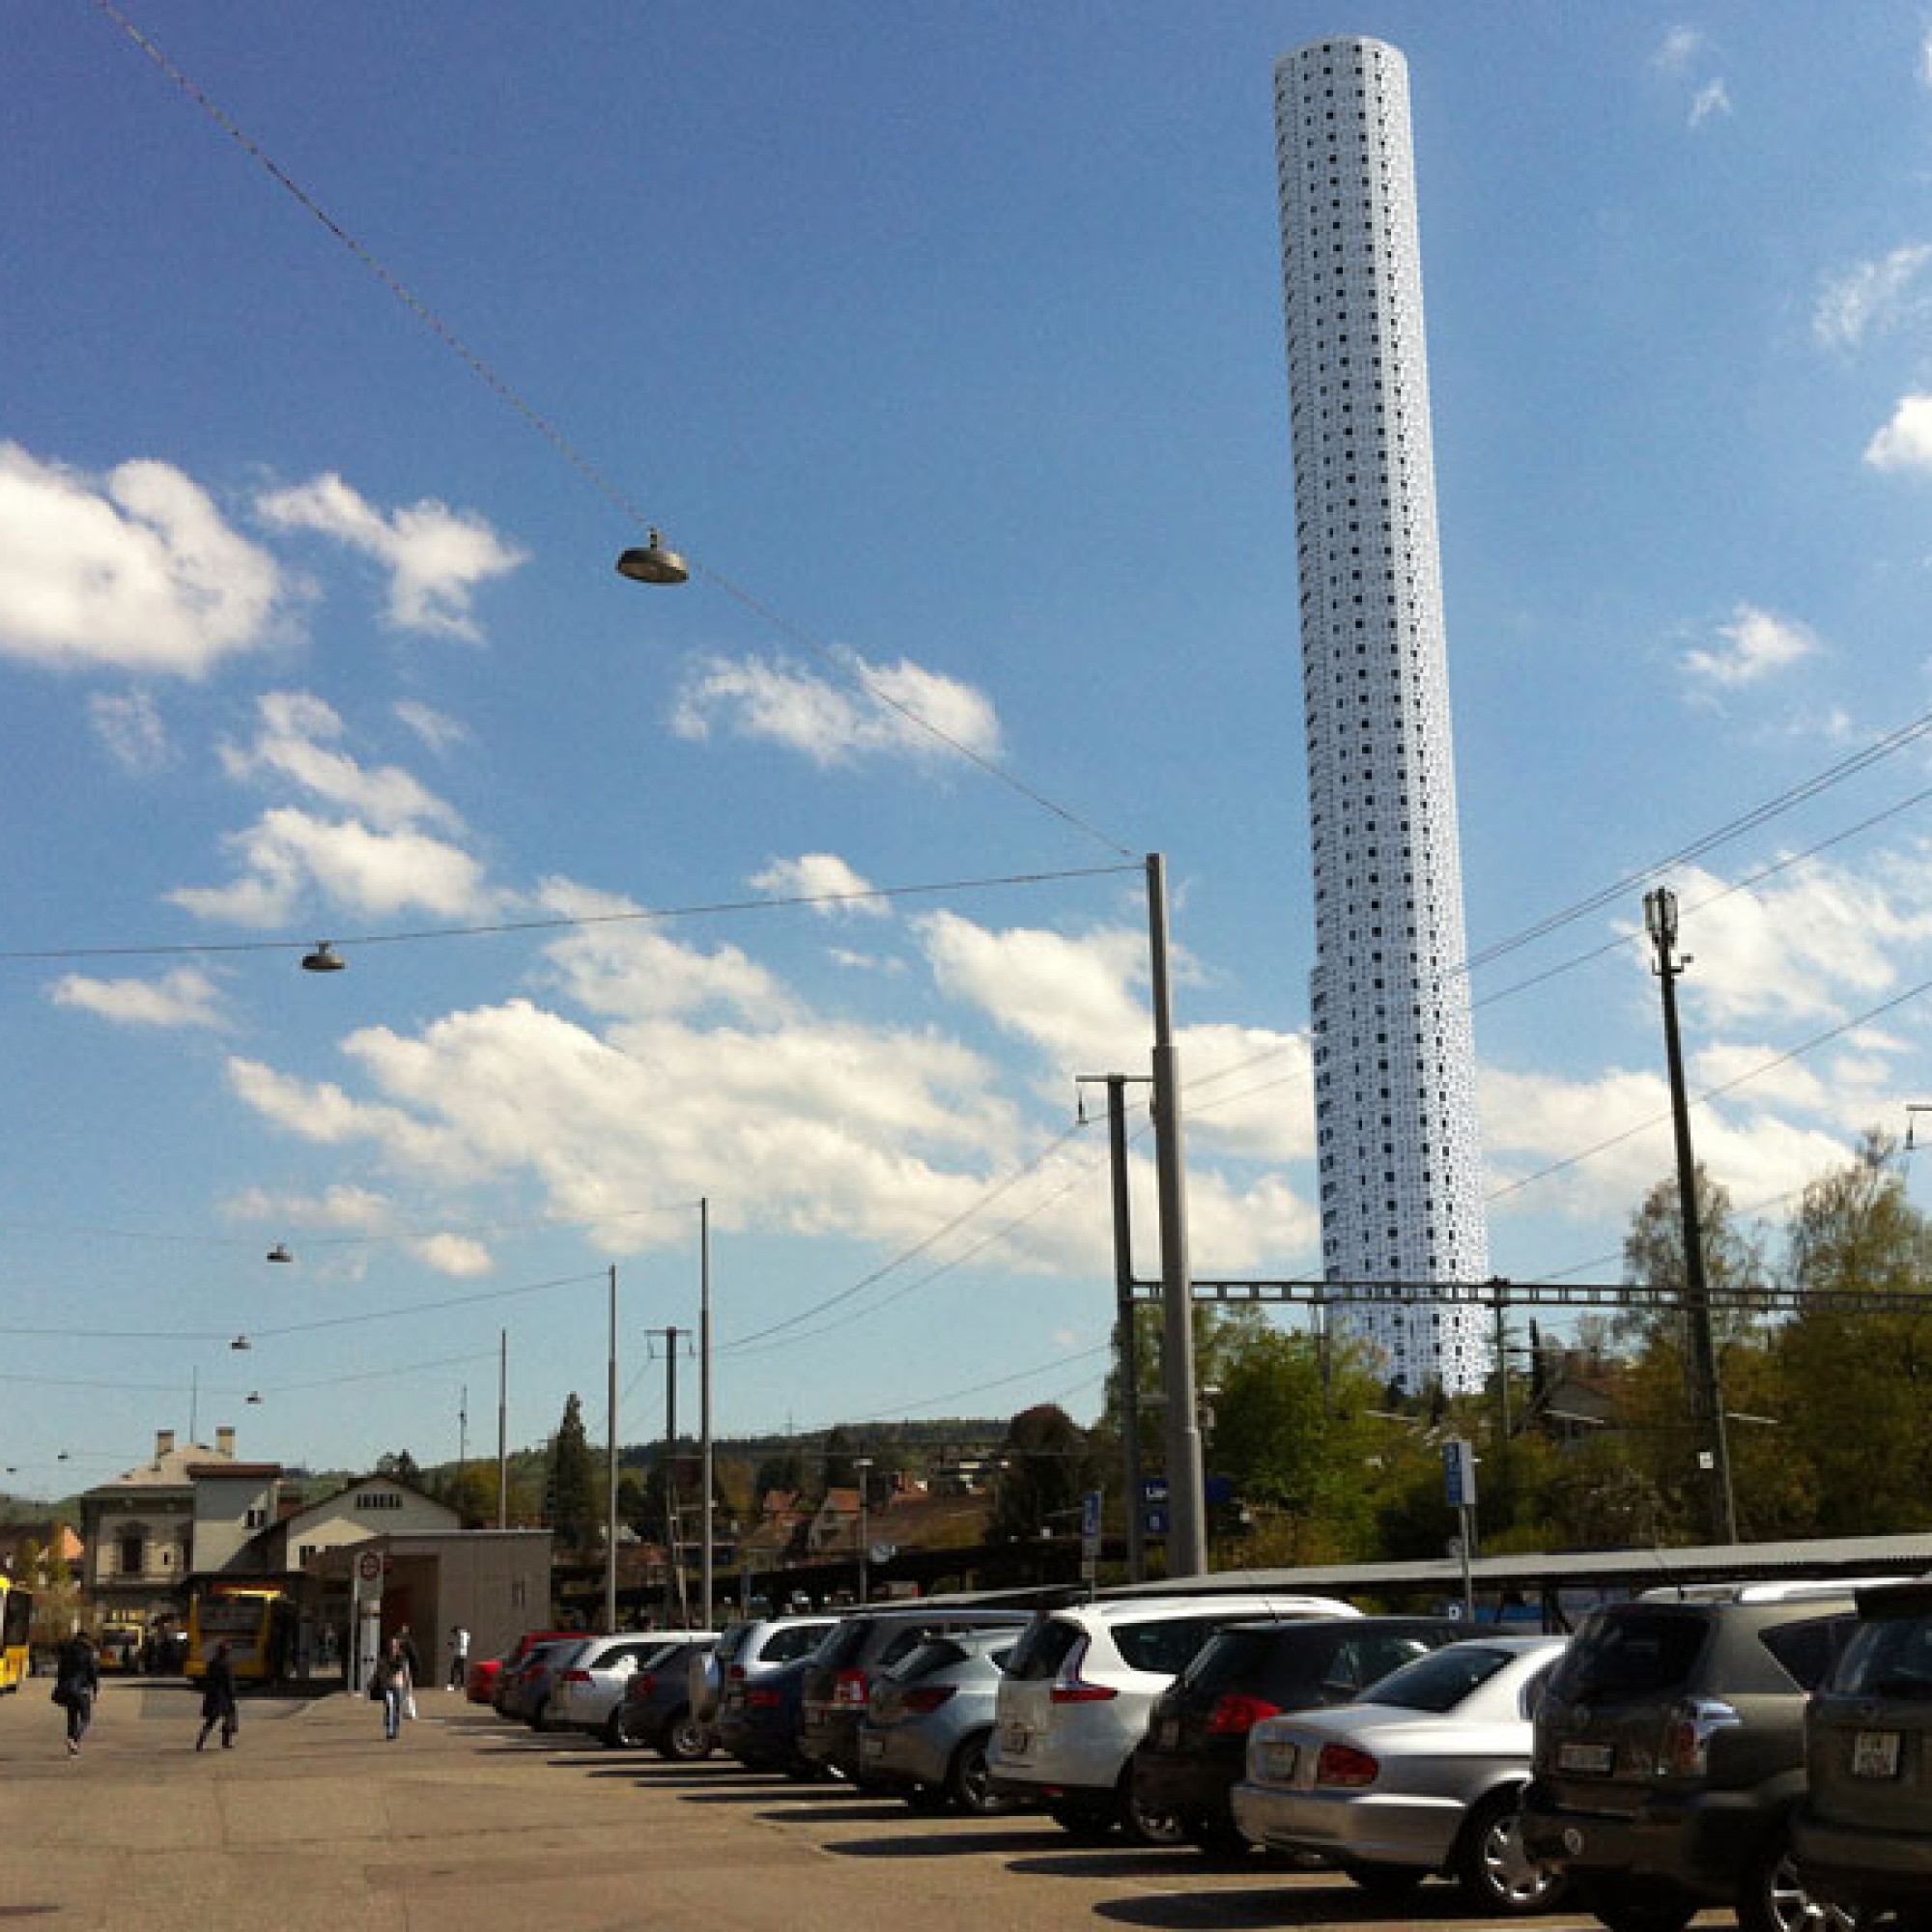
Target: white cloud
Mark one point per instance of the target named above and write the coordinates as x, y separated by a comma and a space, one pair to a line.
136, 572
1680, 47
1874, 298
181, 998
437, 557
441, 733
294, 743
1925, 59
1754, 645
759, 699
822, 877
1713, 98
290, 861
1904, 443
131, 726
455, 1255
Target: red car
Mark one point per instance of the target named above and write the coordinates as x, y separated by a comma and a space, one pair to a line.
479, 1684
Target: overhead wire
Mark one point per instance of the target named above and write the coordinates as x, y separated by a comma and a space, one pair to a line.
592, 472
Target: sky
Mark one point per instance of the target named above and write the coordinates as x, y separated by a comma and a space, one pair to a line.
343, 350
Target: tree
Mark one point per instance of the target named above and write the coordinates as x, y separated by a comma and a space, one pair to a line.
1045, 1470
837, 1470
400, 1465
1852, 1379
572, 1481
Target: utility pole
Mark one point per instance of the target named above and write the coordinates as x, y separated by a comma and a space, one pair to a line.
705, 1459
673, 1555
1659, 912
502, 1429
611, 1476
1187, 1537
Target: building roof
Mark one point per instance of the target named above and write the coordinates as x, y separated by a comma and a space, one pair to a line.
171, 1471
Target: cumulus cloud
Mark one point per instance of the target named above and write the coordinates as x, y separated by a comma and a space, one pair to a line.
458, 1256
437, 557
1904, 443
894, 710
440, 732
290, 861
1752, 647
183, 997
1874, 298
1679, 49
131, 726
295, 743
824, 878
135, 570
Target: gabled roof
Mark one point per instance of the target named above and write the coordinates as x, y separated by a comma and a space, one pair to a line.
360, 1484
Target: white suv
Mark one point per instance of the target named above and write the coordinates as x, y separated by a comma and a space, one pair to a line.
1078, 1688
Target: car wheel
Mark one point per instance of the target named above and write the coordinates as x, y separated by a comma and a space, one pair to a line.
928, 1800
685, 1739
614, 1734
1630, 1905
1773, 1899
535, 1720
1386, 1882
1090, 1820
1494, 1871
968, 1783
1146, 1826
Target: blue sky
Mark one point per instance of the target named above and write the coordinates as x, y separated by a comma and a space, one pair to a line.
946, 342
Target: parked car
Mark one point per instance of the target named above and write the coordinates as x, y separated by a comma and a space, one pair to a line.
839, 1679
1196, 1746
485, 1674
1420, 1775
1862, 1832
744, 1650
586, 1693
929, 1718
655, 1707
759, 1721
1670, 1752
1078, 1687
524, 1690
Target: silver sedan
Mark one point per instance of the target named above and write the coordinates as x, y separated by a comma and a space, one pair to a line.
1423, 1775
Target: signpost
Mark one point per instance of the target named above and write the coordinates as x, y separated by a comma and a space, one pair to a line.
1090, 1538
1458, 1471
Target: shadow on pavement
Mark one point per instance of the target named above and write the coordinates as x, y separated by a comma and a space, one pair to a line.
1324, 1905
997, 1842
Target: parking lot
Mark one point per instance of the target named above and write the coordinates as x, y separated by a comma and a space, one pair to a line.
471, 1824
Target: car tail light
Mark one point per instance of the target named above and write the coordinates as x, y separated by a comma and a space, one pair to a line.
736, 1673
928, 1698
575, 1677
1235, 1715
756, 1699
1686, 1747
1073, 1688
851, 1690
1346, 1766
644, 1684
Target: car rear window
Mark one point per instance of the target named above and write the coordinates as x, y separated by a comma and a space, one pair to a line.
1043, 1649
1441, 1680
790, 1640
1890, 1658
731, 1641
1806, 1651
936, 1652
843, 1644
1634, 1655
1167, 1645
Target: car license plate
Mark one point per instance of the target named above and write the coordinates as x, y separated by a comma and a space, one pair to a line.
1592, 1760
1013, 1740
1276, 1761
1875, 1755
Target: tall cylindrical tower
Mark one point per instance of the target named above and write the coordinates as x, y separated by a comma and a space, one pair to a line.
1400, 1160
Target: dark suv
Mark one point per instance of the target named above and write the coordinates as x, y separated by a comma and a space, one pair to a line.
1670, 1753
1196, 1746
1864, 1831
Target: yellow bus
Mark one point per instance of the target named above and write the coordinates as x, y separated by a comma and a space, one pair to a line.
257, 1621
17, 1613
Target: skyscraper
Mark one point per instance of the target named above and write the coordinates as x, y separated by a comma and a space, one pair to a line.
1400, 1156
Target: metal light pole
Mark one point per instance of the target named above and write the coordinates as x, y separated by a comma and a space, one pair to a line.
1660, 915
611, 1476
1128, 1327
1186, 1538
502, 1429
862, 1464
706, 1578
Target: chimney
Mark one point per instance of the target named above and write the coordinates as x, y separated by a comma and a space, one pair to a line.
165, 1443
224, 1442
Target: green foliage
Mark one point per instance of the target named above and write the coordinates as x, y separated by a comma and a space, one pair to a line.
575, 1514
1047, 1469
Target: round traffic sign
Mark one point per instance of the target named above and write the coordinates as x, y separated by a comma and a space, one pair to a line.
369, 1566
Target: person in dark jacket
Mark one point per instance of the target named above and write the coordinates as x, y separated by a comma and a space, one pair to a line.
218, 1700
76, 1684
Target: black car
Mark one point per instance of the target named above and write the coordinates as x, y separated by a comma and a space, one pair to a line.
1670, 1753
656, 1706
1195, 1750
759, 1725
1862, 1834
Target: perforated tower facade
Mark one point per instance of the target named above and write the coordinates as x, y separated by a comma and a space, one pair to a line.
1400, 1157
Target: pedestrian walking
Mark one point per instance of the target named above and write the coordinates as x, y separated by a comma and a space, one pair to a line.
218, 1700
458, 1657
76, 1685
393, 1684
410, 1655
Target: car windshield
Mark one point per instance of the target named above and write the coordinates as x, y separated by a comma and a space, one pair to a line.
1441, 1680
1632, 1655
1229, 1655
1168, 1646
1043, 1649
842, 1644
790, 1640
